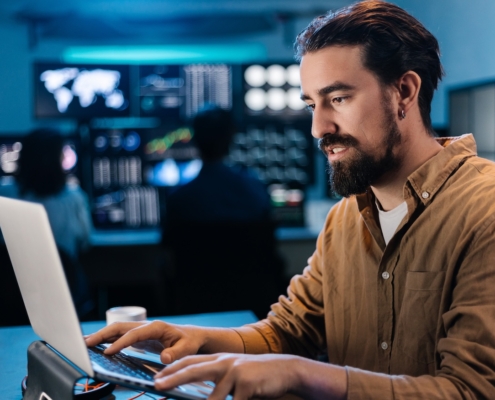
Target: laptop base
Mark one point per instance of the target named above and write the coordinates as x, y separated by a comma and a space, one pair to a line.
50, 377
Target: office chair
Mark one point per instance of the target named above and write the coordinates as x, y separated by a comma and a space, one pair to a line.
224, 266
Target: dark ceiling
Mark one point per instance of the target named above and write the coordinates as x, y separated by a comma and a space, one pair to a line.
183, 20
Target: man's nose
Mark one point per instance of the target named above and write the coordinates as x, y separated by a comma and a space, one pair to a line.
322, 123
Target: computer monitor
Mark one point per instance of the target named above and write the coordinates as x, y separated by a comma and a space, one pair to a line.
11, 146
71, 158
279, 152
170, 157
130, 169
273, 90
179, 91
287, 204
81, 91
282, 155
119, 197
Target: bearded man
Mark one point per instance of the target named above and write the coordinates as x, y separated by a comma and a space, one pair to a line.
399, 292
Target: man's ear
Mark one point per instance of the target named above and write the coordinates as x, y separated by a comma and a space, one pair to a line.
408, 86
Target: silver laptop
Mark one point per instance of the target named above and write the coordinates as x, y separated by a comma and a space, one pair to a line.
50, 308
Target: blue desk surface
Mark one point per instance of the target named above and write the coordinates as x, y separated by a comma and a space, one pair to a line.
153, 236
14, 342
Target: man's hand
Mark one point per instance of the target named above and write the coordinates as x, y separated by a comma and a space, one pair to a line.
246, 376
177, 340
260, 376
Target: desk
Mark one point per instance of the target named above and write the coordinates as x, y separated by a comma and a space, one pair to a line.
315, 215
15, 341
137, 237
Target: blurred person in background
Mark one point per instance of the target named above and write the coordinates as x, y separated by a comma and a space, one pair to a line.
41, 179
219, 192
213, 223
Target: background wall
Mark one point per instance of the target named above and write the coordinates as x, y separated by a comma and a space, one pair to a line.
466, 32
42, 30
15, 85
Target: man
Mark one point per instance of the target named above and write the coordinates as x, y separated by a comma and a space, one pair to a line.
399, 292
225, 212
219, 193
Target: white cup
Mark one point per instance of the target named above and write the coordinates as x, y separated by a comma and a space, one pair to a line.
126, 314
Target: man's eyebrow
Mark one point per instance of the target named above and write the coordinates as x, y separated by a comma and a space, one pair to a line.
329, 89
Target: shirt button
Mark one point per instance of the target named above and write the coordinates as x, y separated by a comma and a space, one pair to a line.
385, 275
425, 195
384, 345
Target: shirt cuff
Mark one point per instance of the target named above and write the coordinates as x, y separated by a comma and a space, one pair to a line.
259, 338
368, 385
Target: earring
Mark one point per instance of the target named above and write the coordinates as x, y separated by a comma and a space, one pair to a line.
402, 114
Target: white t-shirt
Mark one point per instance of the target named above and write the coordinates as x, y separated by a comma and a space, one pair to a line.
390, 220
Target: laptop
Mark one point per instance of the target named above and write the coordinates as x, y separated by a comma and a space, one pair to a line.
47, 298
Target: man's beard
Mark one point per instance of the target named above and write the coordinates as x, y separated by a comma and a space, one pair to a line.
355, 176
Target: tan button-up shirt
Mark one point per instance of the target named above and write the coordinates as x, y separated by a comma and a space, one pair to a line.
411, 319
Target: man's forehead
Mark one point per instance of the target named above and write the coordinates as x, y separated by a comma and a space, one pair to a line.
334, 57
333, 64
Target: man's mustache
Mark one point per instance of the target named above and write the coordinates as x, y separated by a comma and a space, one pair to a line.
333, 139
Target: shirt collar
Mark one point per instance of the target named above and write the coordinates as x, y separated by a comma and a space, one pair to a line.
430, 177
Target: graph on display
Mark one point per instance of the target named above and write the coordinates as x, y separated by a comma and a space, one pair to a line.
179, 91
170, 157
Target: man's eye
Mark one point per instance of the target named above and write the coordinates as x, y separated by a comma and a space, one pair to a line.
310, 107
339, 100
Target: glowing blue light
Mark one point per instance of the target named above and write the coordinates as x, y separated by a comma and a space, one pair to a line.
239, 53
132, 141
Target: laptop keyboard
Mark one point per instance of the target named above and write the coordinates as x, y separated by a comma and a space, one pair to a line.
120, 363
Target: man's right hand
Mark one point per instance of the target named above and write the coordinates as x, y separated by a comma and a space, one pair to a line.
177, 340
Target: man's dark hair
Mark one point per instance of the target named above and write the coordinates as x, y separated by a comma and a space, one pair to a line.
393, 43
213, 129
40, 164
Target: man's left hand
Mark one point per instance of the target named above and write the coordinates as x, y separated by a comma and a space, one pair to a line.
245, 376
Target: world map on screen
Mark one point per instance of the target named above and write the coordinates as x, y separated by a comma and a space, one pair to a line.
87, 85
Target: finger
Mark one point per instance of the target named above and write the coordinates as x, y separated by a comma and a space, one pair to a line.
206, 371
181, 348
148, 331
222, 389
185, 362
109, 333
152, 346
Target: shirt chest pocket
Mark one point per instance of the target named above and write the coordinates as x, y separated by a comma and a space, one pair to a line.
419, 315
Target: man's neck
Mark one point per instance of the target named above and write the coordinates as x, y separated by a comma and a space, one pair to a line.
418, 148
